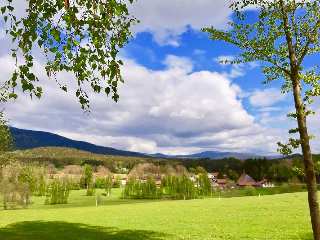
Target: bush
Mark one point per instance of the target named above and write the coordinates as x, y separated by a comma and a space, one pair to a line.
100, 182
91, 191
285, 188
117, 182
271, 190
249, 191
294, 184
47, 201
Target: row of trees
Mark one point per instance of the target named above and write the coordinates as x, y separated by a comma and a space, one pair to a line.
172, 185
19, 181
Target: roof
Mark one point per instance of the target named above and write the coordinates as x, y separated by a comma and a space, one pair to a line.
215, 174
245, 178
264, 181
222, 181
246, 183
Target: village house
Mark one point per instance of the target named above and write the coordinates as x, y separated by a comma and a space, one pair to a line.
246, 180
222, 183
266, 183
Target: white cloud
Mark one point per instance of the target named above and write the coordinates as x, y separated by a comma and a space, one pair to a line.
224, 58
269, 109
266, 97
167, 19
170, 111
199, 52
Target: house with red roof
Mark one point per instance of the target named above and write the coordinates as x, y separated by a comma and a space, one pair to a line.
222, 183
246, 180
266, 183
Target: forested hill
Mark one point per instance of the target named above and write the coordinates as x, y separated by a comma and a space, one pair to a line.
27, 139
216, 155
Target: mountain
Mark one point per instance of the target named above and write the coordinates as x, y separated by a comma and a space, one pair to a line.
214, 155
27, 139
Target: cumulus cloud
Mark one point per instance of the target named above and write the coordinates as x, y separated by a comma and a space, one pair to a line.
173, 111
166, 20
266, 97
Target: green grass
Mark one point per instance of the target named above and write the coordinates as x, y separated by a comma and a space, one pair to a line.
283, 216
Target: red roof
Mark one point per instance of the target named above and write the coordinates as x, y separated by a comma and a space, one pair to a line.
215, 174
241, 177
264, 181
246, 183
245, 178
222, 181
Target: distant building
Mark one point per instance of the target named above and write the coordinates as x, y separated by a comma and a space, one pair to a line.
222, 183
246, 180
266, 183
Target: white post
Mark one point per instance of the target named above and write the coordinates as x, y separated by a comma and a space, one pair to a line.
96, 203
259, 195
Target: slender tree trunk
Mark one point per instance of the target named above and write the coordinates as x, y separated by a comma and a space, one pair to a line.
307, 159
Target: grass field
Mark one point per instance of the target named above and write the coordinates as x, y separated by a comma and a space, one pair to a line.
283, 216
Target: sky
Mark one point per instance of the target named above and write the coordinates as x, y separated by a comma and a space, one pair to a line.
177, 98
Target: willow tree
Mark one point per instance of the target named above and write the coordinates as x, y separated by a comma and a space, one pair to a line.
78, 36
285, 34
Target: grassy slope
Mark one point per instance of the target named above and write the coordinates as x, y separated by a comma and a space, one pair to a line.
282, 216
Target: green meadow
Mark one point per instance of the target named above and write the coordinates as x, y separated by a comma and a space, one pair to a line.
281, 216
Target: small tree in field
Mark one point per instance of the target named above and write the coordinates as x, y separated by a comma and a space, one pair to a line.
108, 185
88, 175
285, 33
249, 191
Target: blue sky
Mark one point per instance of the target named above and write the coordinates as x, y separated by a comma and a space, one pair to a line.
177, 98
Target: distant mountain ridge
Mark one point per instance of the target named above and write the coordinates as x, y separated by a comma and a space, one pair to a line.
215, 155
27, 139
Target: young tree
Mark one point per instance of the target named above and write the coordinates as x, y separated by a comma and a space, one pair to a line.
79, 36
205, 184
286, 32
88, 175
108, 184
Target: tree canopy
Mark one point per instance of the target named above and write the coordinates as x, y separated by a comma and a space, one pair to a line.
78, 36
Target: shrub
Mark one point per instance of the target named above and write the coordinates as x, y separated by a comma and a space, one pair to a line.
294, 184
285, 188
91, 191
100, 182
117, 182
47, 201
271, 190
249, 191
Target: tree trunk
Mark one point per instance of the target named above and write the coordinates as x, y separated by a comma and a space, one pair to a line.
307, 159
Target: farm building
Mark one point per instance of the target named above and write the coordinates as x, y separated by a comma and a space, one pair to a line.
246, 180
222, 183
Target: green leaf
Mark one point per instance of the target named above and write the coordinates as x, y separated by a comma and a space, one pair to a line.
3, 9
107, 90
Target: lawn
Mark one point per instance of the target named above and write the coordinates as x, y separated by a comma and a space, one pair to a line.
283, 216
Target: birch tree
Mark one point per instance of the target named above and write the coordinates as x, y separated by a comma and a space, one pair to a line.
284, 35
